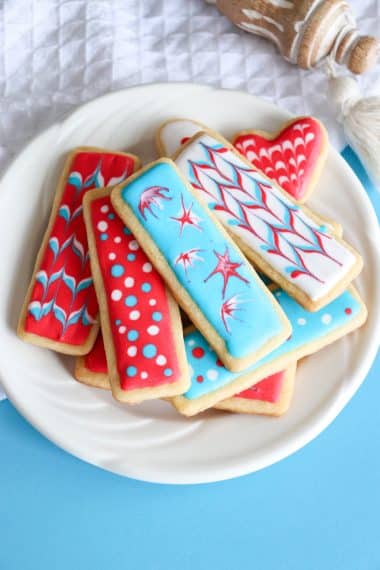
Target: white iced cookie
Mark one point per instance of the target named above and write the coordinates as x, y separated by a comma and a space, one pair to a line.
174, 133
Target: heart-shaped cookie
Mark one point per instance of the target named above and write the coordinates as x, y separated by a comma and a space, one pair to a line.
293, 157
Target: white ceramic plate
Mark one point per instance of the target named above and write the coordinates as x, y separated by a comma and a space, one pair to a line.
151, 441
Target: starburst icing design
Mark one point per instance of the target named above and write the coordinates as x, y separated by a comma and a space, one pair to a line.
227, 268
152, 196
186, 217
188, 258
228, 310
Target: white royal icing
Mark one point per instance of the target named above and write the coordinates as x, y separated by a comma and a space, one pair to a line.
256, 211
172, 134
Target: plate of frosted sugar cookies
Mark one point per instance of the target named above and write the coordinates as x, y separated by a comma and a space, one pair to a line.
191, 289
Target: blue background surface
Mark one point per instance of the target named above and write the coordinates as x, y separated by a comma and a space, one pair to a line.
316, 510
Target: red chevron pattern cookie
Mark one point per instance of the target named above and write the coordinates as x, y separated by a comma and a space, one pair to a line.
61, 309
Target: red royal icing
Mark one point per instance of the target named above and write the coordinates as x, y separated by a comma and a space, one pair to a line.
137, 304
198, 352
63, 306
291, 158
95, 360
268, 390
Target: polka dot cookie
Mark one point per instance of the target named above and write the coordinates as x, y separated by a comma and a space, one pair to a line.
140, 321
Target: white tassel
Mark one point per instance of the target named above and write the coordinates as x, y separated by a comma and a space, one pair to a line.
360, 117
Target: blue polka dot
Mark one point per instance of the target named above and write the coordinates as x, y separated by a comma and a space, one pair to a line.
149, 351
126, 231
131, 371
146, 287
111, 216
133, 335
103, 237
131, 257
130, 301
118, 322
168, 371
117, 270
157, 316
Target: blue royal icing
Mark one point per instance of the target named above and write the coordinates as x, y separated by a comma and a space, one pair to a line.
212, 270
207, 372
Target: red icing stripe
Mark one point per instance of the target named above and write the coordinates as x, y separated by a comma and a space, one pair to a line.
63, 305
95, 360
290, 158
137, 304
268, 390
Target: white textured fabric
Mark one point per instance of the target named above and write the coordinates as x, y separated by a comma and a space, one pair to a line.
57, 54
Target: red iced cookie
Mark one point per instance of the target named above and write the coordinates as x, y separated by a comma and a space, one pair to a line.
141, 324
60, 311
293, 157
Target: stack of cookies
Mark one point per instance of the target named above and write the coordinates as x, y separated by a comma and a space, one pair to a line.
200, 278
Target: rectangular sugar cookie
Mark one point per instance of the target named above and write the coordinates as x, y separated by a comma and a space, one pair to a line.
285, 240
212, 281
140, 320
91, 368
270, 397
211, 382
60, 308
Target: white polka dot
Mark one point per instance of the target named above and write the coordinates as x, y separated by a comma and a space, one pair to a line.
116, 295
102, 226
153, 330
301, 321
112, 256
132, 350
122, 329
326, 319
191, 342
144, 375
152, 302
212, 374
104, 209
134, 315
117, 239
129, 282
147, 267
133, 245
161, 360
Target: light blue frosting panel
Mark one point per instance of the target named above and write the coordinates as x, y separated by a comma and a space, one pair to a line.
207, 376
213, 271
